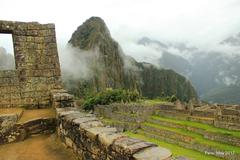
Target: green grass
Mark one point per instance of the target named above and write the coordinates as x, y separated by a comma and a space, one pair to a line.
151, 102
197, 138
127, 114
176, 150
111, 121
206, 127
155, 102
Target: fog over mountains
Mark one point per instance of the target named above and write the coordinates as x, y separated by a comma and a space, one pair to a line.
214, 73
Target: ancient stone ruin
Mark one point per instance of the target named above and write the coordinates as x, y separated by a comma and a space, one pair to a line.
36, 84
37, 66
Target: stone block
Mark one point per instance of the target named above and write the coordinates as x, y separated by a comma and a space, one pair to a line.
153, 153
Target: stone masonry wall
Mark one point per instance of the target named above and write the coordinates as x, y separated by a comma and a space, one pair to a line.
91, 140
37, 65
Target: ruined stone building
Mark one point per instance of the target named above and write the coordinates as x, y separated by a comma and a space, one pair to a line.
37, 69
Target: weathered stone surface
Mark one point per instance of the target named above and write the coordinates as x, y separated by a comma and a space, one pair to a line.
91, 124
61, 99
20, 131
7, 121
94, 132
153, 153
37, 66
88, 138
108, 139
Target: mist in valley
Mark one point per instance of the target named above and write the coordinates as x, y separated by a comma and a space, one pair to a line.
198, 39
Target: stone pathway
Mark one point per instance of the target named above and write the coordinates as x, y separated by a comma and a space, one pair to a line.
42, 147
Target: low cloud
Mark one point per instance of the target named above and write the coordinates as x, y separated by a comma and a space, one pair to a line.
77, 63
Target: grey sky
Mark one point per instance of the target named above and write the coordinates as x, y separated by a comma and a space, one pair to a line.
198, 22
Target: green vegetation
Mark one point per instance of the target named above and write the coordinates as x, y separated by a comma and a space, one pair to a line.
156, 101
206, 127
164, 83
176, 150
111, 121
197, 137
109, 96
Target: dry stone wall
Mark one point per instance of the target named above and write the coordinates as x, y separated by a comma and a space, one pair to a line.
37, 65
91, 140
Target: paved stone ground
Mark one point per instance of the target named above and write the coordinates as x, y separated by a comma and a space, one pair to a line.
42, 147
37, 113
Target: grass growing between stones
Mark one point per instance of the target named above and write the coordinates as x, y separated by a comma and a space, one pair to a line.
176, 150
206, 127
197, 138
111, 121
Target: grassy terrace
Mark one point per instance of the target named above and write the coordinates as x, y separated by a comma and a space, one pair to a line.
111, 121
206, 127
150, 102
197, 137
155, 102
176, 150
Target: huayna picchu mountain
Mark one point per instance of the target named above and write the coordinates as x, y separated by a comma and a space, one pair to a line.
113, 69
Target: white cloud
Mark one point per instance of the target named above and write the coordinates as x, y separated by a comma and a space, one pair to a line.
199, 22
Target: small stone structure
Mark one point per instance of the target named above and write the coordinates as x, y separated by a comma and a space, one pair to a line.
37, 65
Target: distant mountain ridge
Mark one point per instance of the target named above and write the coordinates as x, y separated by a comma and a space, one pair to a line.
214, 74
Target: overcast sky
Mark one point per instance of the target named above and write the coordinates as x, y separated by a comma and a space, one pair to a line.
199, 22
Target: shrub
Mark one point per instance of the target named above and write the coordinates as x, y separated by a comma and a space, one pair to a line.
173, 98
110, 96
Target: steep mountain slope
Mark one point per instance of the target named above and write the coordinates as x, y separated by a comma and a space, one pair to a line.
108, 63
113, 69
177, 63
163, 82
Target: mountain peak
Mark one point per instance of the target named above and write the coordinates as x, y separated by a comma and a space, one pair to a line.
90, 33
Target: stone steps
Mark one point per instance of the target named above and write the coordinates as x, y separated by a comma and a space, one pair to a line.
214, 136
26, 123
187, 141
